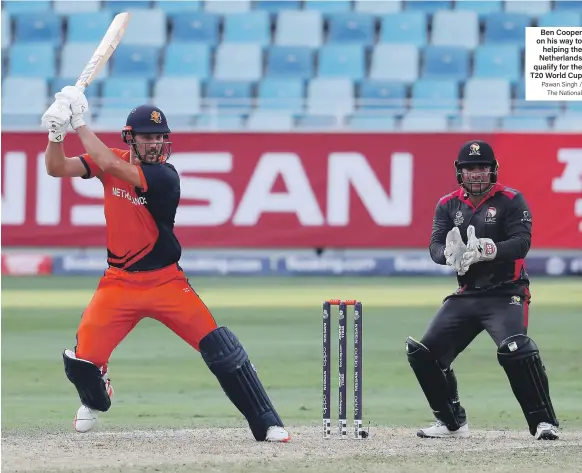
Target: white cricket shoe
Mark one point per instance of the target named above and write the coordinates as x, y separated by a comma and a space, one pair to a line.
277, 434
86, 418
440, 430
546, 431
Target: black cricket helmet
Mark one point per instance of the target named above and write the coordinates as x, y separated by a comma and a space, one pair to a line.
148, 120
477, 153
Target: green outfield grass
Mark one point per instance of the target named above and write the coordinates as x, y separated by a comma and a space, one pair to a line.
160, 381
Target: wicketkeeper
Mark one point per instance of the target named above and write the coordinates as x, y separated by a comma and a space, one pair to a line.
483, 231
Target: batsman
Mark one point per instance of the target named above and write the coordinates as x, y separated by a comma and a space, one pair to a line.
483, 231
144, 277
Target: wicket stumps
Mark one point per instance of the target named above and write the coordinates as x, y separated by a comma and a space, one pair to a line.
358, 433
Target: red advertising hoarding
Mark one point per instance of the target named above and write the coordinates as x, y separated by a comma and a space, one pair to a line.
298, 190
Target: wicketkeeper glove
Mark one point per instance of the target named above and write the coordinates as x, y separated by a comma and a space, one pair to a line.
454, 249
478, 249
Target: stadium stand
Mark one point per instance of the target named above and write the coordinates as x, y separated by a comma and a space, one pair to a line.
281, 65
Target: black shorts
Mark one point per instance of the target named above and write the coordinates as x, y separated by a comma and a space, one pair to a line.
461, 319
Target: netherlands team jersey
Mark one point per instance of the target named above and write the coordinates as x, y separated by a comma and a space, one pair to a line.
140, 220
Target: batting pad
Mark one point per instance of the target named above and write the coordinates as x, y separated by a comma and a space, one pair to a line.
229, 362
88, 380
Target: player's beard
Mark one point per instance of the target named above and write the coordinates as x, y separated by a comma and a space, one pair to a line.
477, 183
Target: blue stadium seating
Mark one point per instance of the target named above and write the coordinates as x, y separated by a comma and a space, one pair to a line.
436, 95
455, 28
377, 8
568, 5
388, 97
275, 6
117, 6
404, 27
317, 122
355, 65
6, 30
329, 6
342, 60
330, 96
506, 28
481, 7
269, 120
529, 7
566, 122
290, 61
351, 28
178, 95
446, 62
39, 6
189, 60
423, 122
74, 57
25, 96
38, 28
367, 122
193, 27
33, 60
71, 8
251, 27
483, 124
560, 18
156, 29
92, 93
487, 97
229, 94
395, 62
521, 123
228, 6
135, 61
234, 61
284, 93
121, 94
427, 6
299, 28
172, 6
498, 60
88, 27
219, 122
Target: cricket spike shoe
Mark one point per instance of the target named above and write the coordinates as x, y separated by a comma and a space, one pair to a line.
440, 430
86, 418
277, 434
546, 431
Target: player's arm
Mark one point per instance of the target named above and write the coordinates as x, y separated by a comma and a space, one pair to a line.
441, 225
517, 226
106, 159
58, 165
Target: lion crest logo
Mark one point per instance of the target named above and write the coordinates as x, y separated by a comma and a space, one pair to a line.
156, 117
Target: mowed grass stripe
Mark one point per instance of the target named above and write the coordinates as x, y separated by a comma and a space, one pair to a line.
566, 295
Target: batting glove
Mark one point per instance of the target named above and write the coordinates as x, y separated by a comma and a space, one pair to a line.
478, 249
56, 119
75, 97
454, 249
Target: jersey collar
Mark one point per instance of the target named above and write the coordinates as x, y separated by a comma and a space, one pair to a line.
463, 195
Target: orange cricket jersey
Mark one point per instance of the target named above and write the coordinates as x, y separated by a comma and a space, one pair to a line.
140, 220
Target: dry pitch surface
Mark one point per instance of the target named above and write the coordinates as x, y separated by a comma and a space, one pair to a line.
233, 450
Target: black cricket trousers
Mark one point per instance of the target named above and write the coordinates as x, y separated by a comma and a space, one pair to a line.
461, 318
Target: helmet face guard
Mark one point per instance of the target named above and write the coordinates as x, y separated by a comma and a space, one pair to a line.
477, 182
476, 154
148, 120
152, 151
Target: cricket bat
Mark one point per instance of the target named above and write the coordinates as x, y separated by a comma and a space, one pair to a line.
105, 49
